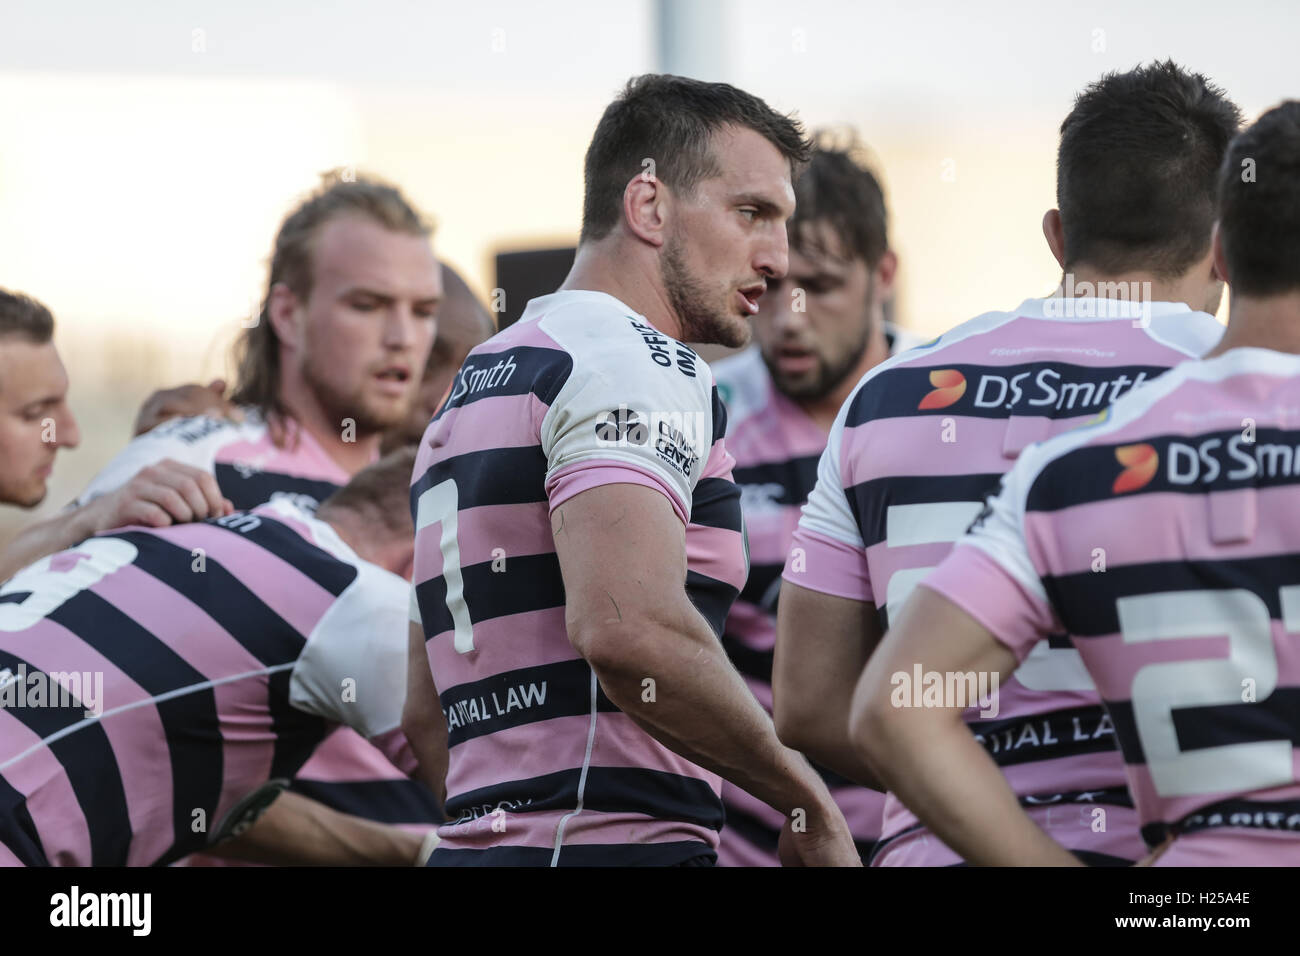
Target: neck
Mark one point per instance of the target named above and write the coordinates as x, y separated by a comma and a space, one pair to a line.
305, 409
603, 267
823, 410
352, 528
1266, 322
1131, 286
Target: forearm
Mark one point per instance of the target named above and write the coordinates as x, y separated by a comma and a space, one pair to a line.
297, 831
827, 742
699, 707
46, 538
933, 763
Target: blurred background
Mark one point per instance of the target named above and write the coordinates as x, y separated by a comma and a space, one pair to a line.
149, 148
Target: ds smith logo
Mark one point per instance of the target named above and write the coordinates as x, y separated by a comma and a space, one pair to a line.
949, 385
1140, 463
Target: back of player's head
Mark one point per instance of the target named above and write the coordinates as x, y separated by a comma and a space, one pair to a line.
340, 194
839, 190
671, 120
380, 495
1259, 204
22, 317
1136, 170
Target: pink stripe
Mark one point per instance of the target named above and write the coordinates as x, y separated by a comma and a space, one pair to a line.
518, 753
828, 566
1232, 848
770, 532
1156, 527
8, 859
282, 587
776, 433
51, 801
1154, 807
719, 463
303, 457
585, 829
134, 734
248, 742
718, 553
502, 644
977, 584
521, 334
346, 757
176, 623
1069, 825
397, 750
619, 742
512, 421
752, 626
582, 476
518, 530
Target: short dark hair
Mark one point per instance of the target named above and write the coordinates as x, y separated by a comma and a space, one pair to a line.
839, 189
1137, 166
671, 120
380, 493
1259, 204
23, 317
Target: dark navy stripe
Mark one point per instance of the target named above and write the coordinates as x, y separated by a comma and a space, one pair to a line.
869, 500
15, 597
719, 408
292, 548
384, 801
544, 692
744, 826
220, 595
295, 732
759, 589
1275, 717
712, 598
259, 486
493, 476
796, 476
1088, 474
715, 503
190, 722
1086, 601
593, 854
746, 660
17, 831
1040, 389
655, 793
1272, 815
90, 764
530, 582
515, 371
1061, 733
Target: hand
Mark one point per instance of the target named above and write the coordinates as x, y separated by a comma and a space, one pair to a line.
160, 495
819, 838
185, 401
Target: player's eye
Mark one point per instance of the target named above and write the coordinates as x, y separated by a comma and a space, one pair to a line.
427, 313
364, 304
750, 213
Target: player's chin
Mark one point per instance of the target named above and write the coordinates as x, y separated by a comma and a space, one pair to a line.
32, 495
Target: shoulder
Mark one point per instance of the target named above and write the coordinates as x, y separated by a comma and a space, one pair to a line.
1192, 333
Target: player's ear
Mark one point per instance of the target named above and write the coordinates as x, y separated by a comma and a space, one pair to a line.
1219, 260
885, 271
644, 201
282, 310
1054, 233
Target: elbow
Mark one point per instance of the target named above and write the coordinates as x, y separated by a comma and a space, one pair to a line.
870, 725
794, 725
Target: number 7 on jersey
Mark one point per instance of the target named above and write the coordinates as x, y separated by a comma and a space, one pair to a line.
440, 505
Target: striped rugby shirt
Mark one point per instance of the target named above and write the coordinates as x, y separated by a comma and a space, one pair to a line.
916, 448
776, 447
1192, 632
544, 769
157, 686
346, 772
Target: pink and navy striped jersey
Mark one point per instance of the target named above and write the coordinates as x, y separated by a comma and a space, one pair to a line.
776, 447
157, 687
346, 772
915, 449
543, 768
1165, 540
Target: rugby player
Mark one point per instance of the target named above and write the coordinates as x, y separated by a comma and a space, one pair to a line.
36, 421
579, 539
333, 361
927, 434
820, 329
1190, 626
158, 687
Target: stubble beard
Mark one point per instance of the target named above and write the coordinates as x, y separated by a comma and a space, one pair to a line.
690, 301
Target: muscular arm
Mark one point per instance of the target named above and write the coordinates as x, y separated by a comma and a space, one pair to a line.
927, 755
822, 646
622, 554
297, 831
422, 719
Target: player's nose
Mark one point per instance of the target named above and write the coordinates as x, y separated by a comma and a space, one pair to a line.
68, 434
772, 257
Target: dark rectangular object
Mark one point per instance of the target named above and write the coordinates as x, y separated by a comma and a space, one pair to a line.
526, 275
